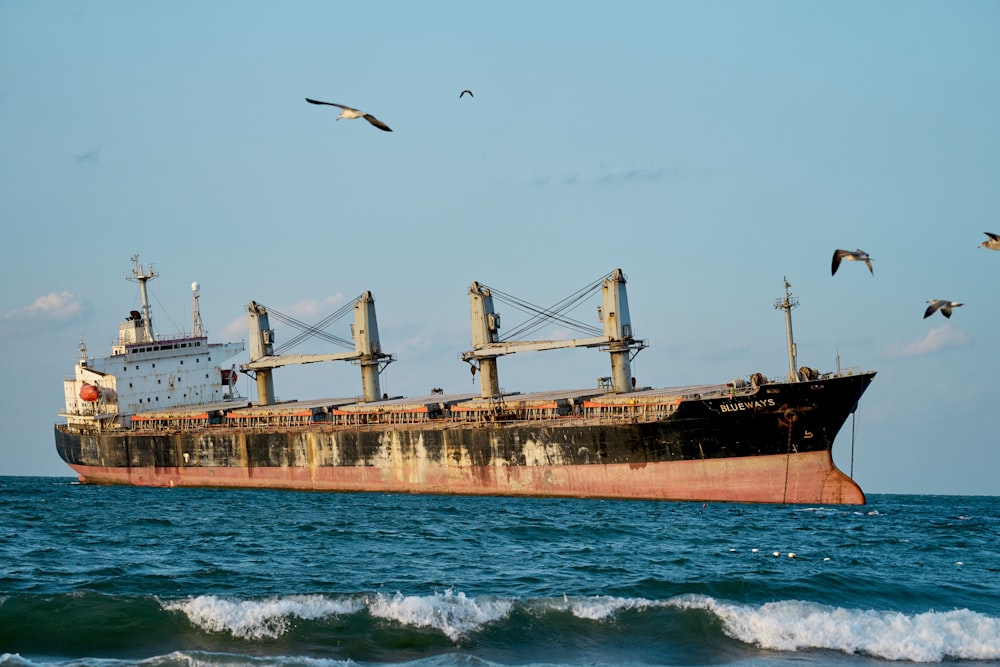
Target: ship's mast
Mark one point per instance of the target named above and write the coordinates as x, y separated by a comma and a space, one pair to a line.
787, 304
142, 276
196, 327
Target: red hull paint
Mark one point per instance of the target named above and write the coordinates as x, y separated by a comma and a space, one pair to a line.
797, 478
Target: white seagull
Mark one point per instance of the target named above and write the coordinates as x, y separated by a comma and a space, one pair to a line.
855, 256
348, 112
943, 305
992, 243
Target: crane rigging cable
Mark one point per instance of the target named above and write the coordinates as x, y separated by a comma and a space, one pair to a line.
552, 314
313, 330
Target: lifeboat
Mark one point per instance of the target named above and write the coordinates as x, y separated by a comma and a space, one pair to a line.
90, 392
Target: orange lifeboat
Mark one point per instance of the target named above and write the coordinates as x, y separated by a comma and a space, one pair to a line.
90, 392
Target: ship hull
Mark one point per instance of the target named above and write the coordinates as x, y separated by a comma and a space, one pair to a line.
809, 478
772, 446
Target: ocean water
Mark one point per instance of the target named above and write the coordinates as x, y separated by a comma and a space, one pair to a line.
108, 576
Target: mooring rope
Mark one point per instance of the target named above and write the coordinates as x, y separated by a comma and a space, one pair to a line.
854, 414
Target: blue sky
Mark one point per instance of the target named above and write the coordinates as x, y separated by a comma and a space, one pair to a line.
709, 149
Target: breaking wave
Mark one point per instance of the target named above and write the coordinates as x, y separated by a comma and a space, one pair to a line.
792, 625
788, 625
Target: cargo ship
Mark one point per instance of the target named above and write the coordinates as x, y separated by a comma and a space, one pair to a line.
167, 412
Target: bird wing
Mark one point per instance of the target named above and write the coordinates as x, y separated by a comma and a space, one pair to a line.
332, 104
935, 304
837, 254
377, 123
869, 263
464, 92
995, 237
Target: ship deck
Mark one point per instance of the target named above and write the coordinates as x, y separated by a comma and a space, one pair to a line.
645, 403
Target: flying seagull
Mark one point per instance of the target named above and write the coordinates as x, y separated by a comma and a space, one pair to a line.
348, 112
856, 256
462, 94
993, 242
943, 305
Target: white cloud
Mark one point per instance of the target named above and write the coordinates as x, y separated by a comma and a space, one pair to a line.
53, 306
235, 330
317, 307
936, 340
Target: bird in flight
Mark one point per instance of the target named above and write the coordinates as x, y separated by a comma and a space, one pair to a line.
855, 256
943, 305
348, 112
993, 242
465, 92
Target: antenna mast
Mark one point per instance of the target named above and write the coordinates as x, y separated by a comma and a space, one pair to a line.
787, 304
196, 328
142, 276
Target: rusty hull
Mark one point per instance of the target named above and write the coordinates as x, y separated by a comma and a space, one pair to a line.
773, 447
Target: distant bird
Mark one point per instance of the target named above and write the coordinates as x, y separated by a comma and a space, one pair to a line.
348, 112
461, 94
940, 304
856, 256
992, 243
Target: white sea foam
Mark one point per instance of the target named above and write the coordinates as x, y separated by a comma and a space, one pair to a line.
258, 619
182, 659
792, 625
205, 659
452, 613
599, 607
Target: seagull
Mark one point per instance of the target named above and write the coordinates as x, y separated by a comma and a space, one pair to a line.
940, 304
856, 256
462, 94
349, 113
992, 243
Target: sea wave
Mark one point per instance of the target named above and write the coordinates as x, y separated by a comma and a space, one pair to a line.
452, 613
792, 625
182, 659
259, 619
598, 607
788, 625
388, 627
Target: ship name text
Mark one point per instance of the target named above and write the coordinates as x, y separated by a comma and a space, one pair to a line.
747, 405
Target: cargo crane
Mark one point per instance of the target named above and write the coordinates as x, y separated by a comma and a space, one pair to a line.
617, 336
367, 350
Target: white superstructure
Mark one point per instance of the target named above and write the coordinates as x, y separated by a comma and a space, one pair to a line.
146, 373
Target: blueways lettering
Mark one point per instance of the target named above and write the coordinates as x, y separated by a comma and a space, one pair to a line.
747, 405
